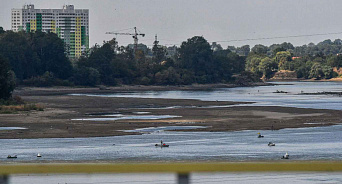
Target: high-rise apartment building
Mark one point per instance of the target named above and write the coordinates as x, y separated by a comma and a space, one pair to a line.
71, 25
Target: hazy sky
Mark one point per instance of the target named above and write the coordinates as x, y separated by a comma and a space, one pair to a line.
217, 20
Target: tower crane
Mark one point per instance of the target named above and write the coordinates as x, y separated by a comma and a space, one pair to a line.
134, 35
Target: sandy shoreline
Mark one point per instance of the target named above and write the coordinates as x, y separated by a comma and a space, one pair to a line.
56, 120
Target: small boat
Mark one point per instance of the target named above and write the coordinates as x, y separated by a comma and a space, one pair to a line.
286, 156
39, 155
161, 145
271, 144
14, 156
260, 136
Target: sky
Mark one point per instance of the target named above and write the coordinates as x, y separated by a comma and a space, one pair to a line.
222, 21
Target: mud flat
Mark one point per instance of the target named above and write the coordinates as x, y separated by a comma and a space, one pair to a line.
69, 116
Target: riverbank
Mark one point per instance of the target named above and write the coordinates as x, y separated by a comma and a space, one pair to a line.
60, 90
56, 121
337, 79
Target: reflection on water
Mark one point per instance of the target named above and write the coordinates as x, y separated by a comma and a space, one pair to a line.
319, 143
263, 95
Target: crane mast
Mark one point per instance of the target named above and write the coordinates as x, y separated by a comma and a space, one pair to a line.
134, 35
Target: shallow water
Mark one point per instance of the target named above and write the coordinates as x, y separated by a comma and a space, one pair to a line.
12, 128
123, 117
263, 95
167, 128
320, 143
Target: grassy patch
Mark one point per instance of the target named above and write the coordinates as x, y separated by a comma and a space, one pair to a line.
16, 104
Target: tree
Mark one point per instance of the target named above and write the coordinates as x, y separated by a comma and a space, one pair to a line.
267, 66
2, 30
327, 71
231, 48
196, 55
337, 42
216, 47
252, 63
243, 51
100, 59
278, 49
282, 58
33, 54
86, 76
7, 80
16, 48
158, 53
335, 61
224, 64
259, 49
316, 71
50, 50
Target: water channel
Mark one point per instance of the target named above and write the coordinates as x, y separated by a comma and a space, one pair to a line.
320, 143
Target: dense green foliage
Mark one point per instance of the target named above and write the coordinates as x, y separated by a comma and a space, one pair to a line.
32, 54
39, 59
7, 80
308, 61
195, 62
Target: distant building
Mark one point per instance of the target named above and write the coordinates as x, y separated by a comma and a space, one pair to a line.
141, 47
71, 25
171, 52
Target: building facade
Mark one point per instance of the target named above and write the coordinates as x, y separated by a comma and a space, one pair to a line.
71, 25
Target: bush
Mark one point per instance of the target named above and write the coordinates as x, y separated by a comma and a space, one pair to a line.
16, 104
145, 81
246, 78
86, 76
23, 107
46, 80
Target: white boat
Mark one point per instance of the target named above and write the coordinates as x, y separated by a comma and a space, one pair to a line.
286, 156
39, 155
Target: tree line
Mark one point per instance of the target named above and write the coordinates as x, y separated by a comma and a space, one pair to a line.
39, 59
308, 61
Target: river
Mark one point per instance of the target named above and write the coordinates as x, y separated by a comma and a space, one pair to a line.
263, 95
319, 143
